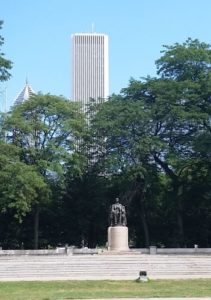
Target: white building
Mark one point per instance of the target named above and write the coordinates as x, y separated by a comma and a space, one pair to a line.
90, 78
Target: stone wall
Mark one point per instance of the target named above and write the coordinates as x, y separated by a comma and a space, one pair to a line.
153, 250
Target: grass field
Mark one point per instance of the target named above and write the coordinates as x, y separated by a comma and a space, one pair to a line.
60, 290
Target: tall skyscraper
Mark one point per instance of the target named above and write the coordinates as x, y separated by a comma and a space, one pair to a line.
90, 78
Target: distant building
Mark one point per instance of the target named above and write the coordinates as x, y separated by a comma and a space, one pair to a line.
25, 93
90, 77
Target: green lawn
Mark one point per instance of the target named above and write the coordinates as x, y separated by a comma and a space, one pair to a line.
56, 290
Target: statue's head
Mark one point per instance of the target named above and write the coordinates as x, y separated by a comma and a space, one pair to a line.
117, 200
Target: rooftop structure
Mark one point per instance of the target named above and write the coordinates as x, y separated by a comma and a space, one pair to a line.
25, 93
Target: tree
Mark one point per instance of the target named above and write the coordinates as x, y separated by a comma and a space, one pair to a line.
122, 124
20, 185
20, 188
5, 64
44, 129
189, 66
159, 121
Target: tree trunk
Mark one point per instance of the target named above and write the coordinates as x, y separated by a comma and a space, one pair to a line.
180, 224
36, 227
144, 223
178, 204
138, 192
146, 230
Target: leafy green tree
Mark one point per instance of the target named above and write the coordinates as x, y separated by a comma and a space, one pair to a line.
122, 123
160, 121
21, 187
189, 66
5, 64
45, 129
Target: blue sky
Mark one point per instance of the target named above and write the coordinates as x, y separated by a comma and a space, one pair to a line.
37, 37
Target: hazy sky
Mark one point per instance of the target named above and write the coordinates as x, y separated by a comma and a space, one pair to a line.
37, 37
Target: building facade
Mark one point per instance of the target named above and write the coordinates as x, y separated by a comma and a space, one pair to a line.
90, 67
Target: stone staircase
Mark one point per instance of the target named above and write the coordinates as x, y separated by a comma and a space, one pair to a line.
99, 267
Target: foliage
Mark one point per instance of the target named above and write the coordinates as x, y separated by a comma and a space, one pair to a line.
5, 64
20, 185
188, 61
85, 211
150, 145
160, 122
44, 130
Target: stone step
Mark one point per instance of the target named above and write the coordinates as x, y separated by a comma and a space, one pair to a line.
103, 267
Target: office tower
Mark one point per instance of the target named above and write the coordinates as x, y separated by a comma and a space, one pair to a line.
89, 67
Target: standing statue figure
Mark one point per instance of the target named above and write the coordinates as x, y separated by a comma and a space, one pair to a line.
118, 214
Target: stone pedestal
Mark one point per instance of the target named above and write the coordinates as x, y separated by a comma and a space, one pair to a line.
118, 238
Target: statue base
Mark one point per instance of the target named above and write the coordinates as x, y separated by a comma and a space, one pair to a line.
118, 238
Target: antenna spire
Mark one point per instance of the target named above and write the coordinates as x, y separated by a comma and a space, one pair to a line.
93, 27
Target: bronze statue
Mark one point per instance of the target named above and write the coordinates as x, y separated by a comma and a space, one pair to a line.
118, 214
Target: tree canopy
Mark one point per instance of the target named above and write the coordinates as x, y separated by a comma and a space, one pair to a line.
150, 145
162, 121
44, 130
5, 64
